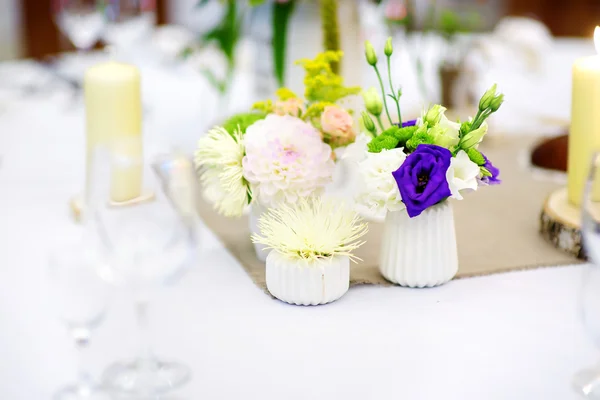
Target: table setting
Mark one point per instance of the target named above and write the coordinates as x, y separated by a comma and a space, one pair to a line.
164, 240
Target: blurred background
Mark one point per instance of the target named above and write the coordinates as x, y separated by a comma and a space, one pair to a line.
27, 28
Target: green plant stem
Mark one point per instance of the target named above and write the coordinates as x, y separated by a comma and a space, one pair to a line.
383, 94
396, 99
380, 122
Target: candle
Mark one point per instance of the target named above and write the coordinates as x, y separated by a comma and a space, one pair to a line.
584, 136
114, 119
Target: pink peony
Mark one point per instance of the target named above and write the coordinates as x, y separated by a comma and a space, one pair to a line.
293, 107
338, 124
285, 160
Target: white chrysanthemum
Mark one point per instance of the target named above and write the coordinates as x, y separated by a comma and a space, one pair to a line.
378, 190
219, 163
285, 160
311, 229
462, 174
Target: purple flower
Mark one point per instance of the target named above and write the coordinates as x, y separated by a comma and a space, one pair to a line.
491, 180
421, 178
411, 122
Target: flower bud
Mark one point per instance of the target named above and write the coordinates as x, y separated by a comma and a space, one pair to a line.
373, 101
370, 53
473, 138
434, 114
368, 123
496, 103
388, 49
487, 98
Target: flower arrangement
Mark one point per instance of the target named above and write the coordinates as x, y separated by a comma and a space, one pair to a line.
417, 164
280, 151
312, 229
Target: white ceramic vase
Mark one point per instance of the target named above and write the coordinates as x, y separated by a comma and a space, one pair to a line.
421, 251
307, 284
256, 210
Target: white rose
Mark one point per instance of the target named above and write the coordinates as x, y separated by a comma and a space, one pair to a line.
462, 174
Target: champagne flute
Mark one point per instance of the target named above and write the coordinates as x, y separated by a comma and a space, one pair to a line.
149, 242
81, 21
79, 297
129, 21
587, 382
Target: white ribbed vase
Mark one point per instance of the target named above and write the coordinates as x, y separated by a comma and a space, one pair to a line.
421, 251
307, 284
256, 210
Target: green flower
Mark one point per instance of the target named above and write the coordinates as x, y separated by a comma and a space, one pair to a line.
370, 53
373, 101
368, 123
242, 121
486, 99
388, 49
473, 138
421, 136
434, 114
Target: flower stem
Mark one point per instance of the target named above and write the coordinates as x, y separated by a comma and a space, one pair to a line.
396, 99
383, 94
380, 123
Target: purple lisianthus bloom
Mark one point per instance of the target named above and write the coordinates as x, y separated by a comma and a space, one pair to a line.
421, 178
411, 122
491, 180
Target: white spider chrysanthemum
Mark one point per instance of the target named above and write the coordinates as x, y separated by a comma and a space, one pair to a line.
311, 229
219, 162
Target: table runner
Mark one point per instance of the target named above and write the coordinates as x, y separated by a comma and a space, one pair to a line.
497, 227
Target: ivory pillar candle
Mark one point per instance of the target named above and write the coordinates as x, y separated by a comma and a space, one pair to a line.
114, 119
584, 136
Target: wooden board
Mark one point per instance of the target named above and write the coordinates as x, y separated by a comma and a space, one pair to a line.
560, 224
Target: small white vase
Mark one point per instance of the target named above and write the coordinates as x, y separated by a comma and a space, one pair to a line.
256, 210
421, 251
307, 284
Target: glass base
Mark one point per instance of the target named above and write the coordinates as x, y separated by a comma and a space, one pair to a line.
79, 393
587, 383
146, 377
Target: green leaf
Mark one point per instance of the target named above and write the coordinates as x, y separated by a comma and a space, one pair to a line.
242, 121
476, 156
281, 17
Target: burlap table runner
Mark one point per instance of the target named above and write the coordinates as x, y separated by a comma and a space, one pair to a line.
497, 227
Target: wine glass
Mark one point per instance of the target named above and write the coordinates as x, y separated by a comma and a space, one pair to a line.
82, 21
587, 382
129, 21
149, 241
80, 298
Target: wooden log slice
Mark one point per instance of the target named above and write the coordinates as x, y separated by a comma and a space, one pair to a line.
560, 224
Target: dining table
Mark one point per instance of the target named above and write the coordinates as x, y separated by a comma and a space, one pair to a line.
515, 335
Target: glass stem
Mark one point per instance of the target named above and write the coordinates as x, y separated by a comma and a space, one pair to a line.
84, 378
141, 312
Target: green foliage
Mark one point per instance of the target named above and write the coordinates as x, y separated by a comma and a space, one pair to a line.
243, 121
281, 15
321, 83
226, 35
476, 156
451, 23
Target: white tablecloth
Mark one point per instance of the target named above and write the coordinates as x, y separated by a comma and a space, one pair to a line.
508, 336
